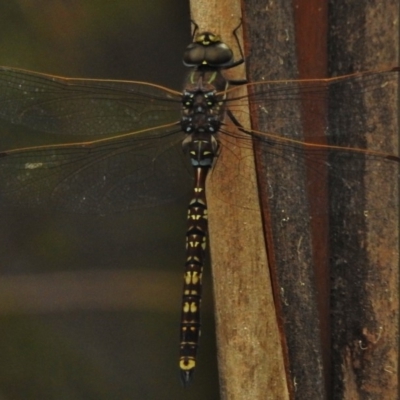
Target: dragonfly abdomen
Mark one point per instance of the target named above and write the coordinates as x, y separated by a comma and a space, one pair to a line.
196, 238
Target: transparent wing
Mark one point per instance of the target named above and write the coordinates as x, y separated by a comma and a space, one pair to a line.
138, 170
281, 106
138, 163
334, 131
83, 106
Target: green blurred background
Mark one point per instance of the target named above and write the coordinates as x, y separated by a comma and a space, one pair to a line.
90, 305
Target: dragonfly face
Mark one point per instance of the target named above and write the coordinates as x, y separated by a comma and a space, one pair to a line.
207, 50
132, 156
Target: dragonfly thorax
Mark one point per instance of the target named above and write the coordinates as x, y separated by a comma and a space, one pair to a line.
202, 112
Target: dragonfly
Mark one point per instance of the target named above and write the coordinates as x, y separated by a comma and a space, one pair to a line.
123, 145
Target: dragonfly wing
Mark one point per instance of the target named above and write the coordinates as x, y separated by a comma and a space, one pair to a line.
110, 176
84, 106
316, 129
281, 107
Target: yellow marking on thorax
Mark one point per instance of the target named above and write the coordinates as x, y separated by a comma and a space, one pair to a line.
212, 77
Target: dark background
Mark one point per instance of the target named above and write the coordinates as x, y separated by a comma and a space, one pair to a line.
90, 305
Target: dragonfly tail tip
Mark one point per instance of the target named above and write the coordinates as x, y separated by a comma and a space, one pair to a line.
186, 377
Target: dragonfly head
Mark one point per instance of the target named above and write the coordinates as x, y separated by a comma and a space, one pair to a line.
207, 50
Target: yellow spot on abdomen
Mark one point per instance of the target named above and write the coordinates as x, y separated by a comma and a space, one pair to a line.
188, 278
195, 278
186, 364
